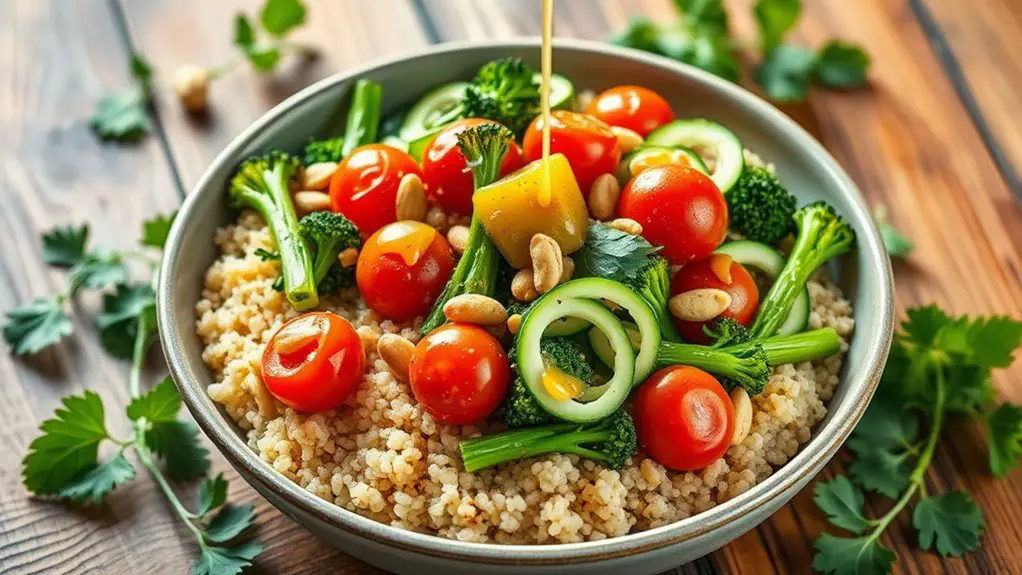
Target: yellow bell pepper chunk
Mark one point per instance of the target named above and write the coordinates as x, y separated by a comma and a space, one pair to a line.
511, 213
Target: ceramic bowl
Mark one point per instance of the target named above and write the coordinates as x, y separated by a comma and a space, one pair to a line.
806, 168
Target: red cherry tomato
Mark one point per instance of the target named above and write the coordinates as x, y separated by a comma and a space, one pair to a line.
701, 274
684, 418
444, 170
679, 208
588, 144
459, 373
402, 269
639, 109
314, 362
364, 187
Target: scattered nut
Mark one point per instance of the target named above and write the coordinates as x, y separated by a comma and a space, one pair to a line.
701, 304
523, 286
411, 199
626, 225
743, 415
514, 322
603, 196
308, 201
348, 257
627, 139
436, 217
297, 334
547, 264
457, 236
396, 351
475, 308
567, 269
191, 84
583, 99
264, 400
317, 176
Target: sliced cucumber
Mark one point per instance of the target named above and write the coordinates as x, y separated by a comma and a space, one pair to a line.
417, 147
620, 296
425, 114
531, 364
562, 91
678, 155
709, 135
566, 326
601, 345
764, 258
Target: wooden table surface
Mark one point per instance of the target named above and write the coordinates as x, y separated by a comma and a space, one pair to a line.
937, 137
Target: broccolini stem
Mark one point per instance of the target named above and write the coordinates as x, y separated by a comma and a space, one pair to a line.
363, 116
295, 259
805, 346
482, 452
720, 361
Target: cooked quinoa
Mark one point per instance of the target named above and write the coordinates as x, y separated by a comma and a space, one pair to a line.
381, 455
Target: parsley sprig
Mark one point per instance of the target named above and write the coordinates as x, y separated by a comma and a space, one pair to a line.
65, 461
939, 365
701, 36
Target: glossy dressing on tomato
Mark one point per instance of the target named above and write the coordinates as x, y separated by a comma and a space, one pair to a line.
543, 195
410, 240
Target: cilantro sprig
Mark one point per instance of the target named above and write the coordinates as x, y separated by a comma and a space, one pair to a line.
701, 36
939, 365
66, 461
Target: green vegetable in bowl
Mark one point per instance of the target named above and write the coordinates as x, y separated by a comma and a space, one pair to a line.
503, 90
760, 208
328, 234
361, 127
522, 409
653, 284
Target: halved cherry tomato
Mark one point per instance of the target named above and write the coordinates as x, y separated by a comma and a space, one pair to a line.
402, 269
447, 177
314, 362
459, 373
679, 208
718, 272
639, 109
364, 187
684, 418
588, 144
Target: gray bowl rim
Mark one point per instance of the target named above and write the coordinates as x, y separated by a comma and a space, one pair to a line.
807, 462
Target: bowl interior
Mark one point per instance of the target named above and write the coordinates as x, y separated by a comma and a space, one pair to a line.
805, 168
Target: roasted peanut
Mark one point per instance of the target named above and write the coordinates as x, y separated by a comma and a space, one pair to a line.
191, 84
547, 264
475, 308
567, 268
317, 176
348, 257
308, 201
701, 304
743, 415
603, 196
457, 236
523, 286
396, 351
411, 199
626, 225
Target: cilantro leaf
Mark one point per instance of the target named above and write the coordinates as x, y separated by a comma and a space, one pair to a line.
263, 57
785, 73
64, 246
177, 442
882, 471
37, 325
923, 324
968, 389
121, 116
229, 522
841, 65
993, 340
640, 34
124, 312
1004, 434
226, 560
885, 425
98, 269
897, 244
842, 502
68, 447
99, 481
158, 405
848, 556
612, 254
280, 16
775, 18
141, 71
705, 15
212, 494
951, 520
156, 230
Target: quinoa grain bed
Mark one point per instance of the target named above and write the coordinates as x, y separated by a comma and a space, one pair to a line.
382, 456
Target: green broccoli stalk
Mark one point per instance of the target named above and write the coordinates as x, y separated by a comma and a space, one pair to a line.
521, 407
653, 284
328, 234
822, 235
760, 208
361, 127
609, 442
503, 90
749, 364
484, 147
261, 183
727, 331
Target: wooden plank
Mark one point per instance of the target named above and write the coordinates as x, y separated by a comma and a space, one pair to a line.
346, 34
909, 143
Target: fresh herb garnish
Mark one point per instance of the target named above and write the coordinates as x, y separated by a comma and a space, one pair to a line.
898, 245
613, 254
122, 116
701, 36
938, 365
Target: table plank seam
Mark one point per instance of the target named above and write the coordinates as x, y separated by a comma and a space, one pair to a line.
429, 26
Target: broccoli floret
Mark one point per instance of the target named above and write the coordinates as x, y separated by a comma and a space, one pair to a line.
328, 150
261, 183
727, 331
760, 208
522, 408
337, 278
822, 234
328, 234
609, 442
503, 90
361, 128
484, 147
653, 284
